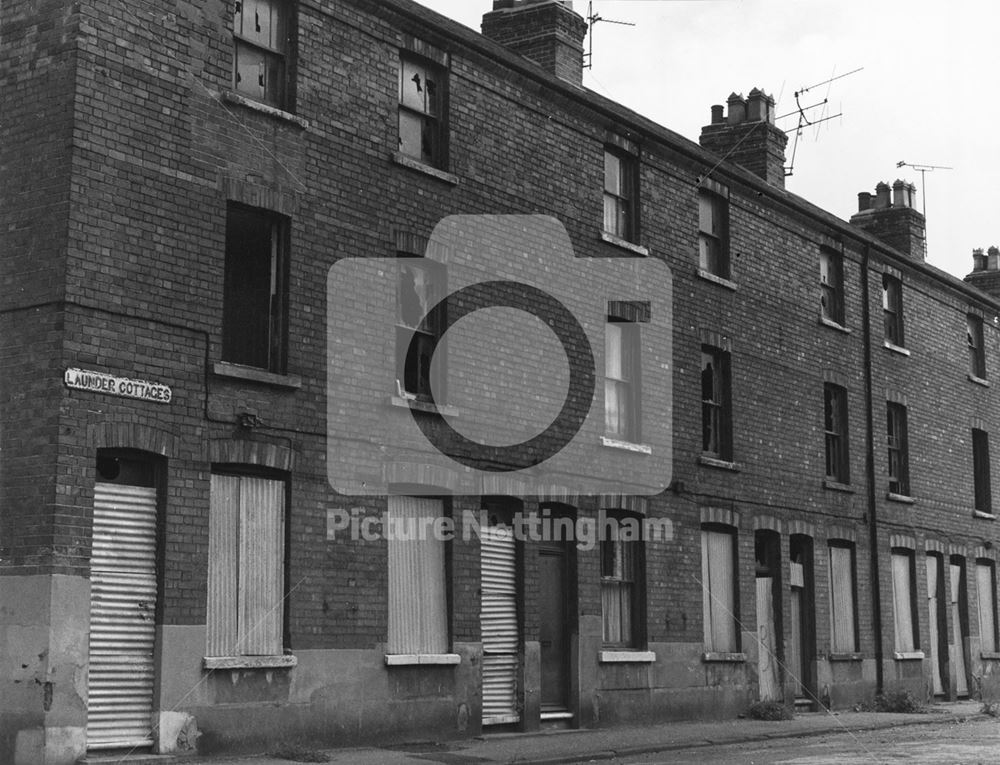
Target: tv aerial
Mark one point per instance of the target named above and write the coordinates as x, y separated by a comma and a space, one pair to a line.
923, 170
592, 19
804, 119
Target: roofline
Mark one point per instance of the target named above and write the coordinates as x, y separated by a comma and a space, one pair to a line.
672, 140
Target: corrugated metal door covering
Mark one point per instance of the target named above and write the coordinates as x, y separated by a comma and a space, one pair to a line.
122, 621
498, 621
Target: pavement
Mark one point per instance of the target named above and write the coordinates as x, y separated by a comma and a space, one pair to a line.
575, 746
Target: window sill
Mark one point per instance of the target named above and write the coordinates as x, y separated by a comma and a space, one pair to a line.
708, 276
978, 380
626, 657
715, 462
838, 486
989, 655
895, 348
239, 99
850, 656
422, 167
624, 244
240, 372
731, 657
421, 659
905, 499
834, 325
416, 405
908, 655
627, 446
249, 662
984, 515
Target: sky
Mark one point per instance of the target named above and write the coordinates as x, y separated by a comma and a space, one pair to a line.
928, 92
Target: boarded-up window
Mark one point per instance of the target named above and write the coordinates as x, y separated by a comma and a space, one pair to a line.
418, 607
986, 589
843, 632
904, 604
718, 581
246, 563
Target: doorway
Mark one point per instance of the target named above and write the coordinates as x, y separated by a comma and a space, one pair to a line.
123, 601
555, 603
937, 623
802, 618
767, 550
959, 626
498, 618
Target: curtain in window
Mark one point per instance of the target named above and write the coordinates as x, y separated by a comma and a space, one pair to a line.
617, 582
902, 602
718, 578
418, 616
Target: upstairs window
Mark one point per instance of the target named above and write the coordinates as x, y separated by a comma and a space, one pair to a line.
981, 470
899, 467
713, 239
831, 280
835, 427
260, 36
892, 309
253, 315
621, 380
716, 425
421, 111
419, 288
977, 354
621, 192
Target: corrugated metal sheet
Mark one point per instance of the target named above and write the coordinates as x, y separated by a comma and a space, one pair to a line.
122, 617
246, 543
418, 616
499, 624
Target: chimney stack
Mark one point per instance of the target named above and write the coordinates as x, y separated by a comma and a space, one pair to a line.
549, 32
748, 137
890, 215
986, 271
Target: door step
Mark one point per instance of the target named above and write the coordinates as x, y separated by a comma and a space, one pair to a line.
556, 719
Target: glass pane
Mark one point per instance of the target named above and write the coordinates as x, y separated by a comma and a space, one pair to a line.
612, 174
251, 73
411, 127
612, 421
612, 215
613, 351
708, 254
412, 86
706, 214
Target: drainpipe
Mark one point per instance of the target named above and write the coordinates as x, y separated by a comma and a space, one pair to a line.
873, 543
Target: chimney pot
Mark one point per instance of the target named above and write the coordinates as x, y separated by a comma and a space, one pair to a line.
899, 194
737, 109
757, 148
882, 192
978, 259
993, 259
718, 115
864, 200
760, 106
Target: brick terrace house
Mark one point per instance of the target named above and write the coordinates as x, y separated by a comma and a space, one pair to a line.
180, 183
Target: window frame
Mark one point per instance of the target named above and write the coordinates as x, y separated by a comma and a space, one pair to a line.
983, 502
246, 473
720, 637
892, 310
898, 448
238, 347
976, 344
836, 439
627, 417
436, 277
615, 578
621, 203
276, 52
843, 615
432, 118
716, 241
831, 280
716, 411
906, 620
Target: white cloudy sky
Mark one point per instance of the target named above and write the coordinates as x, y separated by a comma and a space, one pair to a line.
928, 93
